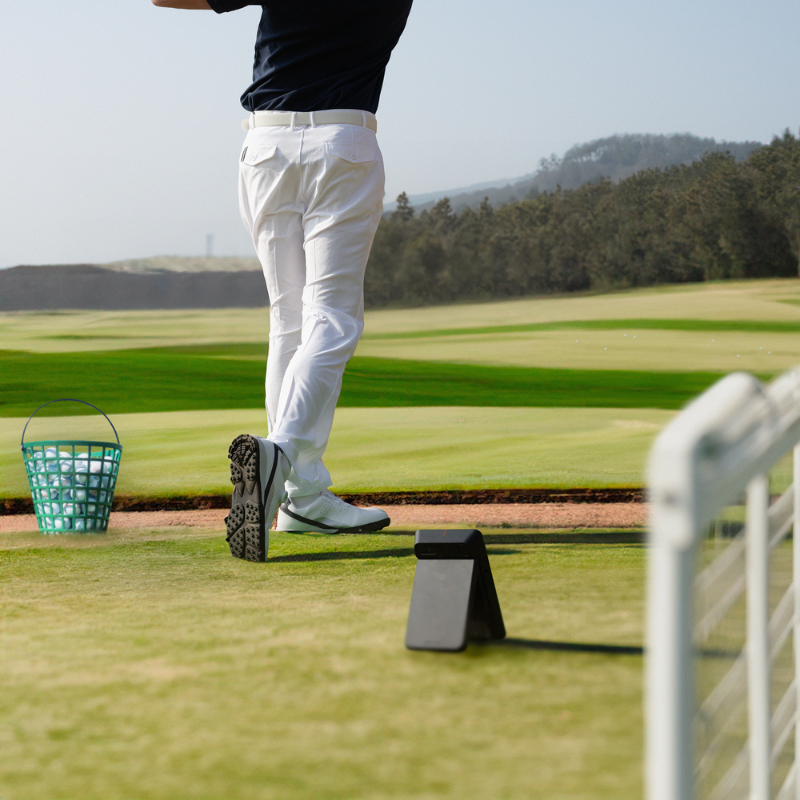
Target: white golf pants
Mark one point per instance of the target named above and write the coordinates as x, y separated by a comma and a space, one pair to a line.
311, 197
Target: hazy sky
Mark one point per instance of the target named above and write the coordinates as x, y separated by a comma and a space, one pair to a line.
120, 121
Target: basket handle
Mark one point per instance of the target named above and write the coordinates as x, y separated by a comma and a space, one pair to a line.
64, 400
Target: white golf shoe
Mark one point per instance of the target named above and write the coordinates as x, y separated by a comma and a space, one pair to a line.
259, 470
329, 514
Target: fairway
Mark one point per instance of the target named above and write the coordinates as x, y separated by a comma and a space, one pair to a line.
373, 449
770, 301
153, 665
189, 379
632, 349
540, 392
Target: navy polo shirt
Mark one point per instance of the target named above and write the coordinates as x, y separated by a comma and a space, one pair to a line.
318, 54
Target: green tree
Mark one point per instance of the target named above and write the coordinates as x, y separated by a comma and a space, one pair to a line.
404, 211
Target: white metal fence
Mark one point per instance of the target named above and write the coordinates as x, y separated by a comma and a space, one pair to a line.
733, 739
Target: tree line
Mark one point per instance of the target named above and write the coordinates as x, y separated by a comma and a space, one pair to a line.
616, 157
713, 219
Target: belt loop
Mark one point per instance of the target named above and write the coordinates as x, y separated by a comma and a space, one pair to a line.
363, 119
313, 120
294, 118
251, 122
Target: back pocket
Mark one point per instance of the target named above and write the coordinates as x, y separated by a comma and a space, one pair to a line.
253, 155
354, 153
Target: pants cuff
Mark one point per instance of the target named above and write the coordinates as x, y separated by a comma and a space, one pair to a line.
289, 450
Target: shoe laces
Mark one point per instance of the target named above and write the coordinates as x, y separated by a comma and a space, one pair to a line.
331, 496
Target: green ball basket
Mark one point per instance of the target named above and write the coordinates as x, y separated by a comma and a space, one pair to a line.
72, 481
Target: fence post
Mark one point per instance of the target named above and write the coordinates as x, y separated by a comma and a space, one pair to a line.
758, 662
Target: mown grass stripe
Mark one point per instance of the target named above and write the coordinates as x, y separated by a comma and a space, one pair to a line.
693, 325
172, 379
379, 382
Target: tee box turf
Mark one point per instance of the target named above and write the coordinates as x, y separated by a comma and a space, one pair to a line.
454, 598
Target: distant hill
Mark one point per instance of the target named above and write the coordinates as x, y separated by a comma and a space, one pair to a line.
185, 264
615, 157
174, 283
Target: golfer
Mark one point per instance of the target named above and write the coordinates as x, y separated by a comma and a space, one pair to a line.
311, 194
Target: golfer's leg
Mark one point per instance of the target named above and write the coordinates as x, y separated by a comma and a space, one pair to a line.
268, 202
280, 249
340, 222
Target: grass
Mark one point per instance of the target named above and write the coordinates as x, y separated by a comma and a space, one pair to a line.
594, 348
773, 301
70, 331
149, 380
642, 324
535, 392
726, 300
149, 664
152, 665
185, 453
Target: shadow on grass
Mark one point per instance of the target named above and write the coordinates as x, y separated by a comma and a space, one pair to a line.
340, 555
492, 540
570, 647
633, 536
606, 649
399, 552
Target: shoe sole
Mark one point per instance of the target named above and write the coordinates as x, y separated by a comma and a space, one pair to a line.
309, 526
255, 497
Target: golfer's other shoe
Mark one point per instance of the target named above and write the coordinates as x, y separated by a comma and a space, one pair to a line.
258, 472
329, 514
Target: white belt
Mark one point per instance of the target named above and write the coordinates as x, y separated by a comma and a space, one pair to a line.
293, 118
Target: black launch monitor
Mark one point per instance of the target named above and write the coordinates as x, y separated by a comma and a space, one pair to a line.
454, 598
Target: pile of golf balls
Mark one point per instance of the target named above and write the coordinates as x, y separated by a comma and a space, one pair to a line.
72, 492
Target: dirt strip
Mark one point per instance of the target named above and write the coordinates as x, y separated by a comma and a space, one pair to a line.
122, 502
516, 515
